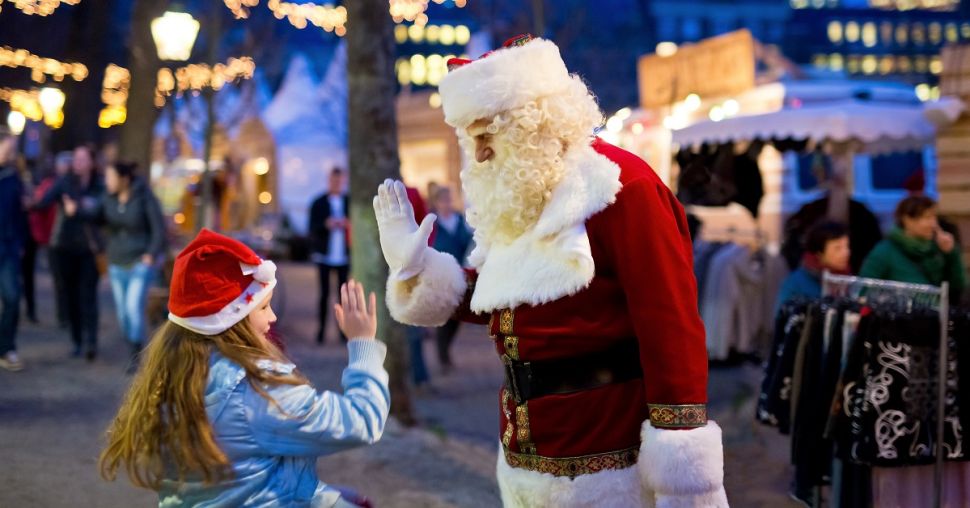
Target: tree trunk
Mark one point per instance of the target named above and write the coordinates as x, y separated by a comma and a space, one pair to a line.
136, 133
373, 155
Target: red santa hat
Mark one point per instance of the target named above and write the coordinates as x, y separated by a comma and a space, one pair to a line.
522, 70
216, 283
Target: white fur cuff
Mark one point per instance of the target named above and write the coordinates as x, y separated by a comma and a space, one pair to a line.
432, 301
683, 468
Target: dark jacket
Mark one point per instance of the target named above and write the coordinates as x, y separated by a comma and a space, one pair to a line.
317, 231
12, 219
864, 232
78, 233
134, 228
455, 243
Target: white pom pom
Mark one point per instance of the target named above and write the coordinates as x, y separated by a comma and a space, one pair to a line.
265, 272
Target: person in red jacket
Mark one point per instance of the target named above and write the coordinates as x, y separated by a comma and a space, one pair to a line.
583, 272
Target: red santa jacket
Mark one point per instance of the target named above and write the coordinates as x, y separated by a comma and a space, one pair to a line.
643, 291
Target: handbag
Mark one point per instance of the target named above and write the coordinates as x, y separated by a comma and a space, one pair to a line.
100, 257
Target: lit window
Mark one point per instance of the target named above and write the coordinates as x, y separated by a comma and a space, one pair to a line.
400, 34
799, 4
902, 34
952, 35
869, 64
462, 34
852, 64
936, 33
820, 61
886, 65
403, 67
432, 33
869, 34
919, 34
836, 62
851, 31
904, 64
965, 30
818, 4
936, 65
419, 70
447, 35
416, 33
921, 64
436, 69
835, 32
886, 33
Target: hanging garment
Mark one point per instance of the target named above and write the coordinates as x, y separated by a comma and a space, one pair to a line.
724, 311
774, 402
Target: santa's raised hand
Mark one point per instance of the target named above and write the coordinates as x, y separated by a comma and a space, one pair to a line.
403, 242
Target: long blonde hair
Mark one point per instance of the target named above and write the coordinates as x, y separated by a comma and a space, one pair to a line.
162, 427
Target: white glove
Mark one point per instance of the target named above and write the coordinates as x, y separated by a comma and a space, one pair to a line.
403, 242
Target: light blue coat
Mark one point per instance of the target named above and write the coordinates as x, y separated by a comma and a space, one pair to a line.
273, 454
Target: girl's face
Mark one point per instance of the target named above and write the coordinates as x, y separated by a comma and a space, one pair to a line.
263, 317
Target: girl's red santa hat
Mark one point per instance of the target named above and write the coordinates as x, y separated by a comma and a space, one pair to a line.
522, 70
216, 283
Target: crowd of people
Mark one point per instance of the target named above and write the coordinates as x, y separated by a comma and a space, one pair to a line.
93, 222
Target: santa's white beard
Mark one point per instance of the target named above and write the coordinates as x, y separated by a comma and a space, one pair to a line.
506, 194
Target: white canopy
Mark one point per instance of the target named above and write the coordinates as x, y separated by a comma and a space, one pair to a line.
880, 125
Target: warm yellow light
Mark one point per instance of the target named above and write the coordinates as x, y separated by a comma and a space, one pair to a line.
886, 65
261, 166
400, 34
179, 218
869, 64
693, 102
54, 120
835, 32
902, 34
447, 35
431, 33
437, 67
51, 100
731, 107
936, 65
174, 34
403, 71
265, 197
416, 33
851, 31
419, 70
952, 35
869, 36
836, 62
923, 92
637, 128
666, 48
462, 35
16, 121
434, 100
716, 114
936, 33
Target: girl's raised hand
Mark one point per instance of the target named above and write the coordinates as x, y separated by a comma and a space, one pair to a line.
356, 316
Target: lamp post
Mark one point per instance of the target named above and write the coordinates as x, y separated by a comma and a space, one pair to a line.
174, 34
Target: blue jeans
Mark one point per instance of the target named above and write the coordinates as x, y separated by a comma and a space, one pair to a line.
130, 285
419, 372
10, 300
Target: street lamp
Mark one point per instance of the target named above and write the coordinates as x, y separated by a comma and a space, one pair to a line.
16, 121
174, 34
51, 100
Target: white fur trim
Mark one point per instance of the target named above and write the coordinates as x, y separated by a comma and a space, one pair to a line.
552, 259
683, 468
234, 312
523, 488
439, 290
506, 79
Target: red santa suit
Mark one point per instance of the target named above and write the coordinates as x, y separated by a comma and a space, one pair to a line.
593, 311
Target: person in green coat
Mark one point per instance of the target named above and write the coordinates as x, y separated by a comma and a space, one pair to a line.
917, 250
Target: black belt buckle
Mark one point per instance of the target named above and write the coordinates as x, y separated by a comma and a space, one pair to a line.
518, 379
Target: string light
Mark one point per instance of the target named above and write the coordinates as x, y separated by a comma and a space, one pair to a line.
26, 102
326, 16
39, 7
196, 77
114, 94
240, 8
409, 10
41, 67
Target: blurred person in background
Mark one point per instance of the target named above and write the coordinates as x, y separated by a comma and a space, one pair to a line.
41, 221
452, 236
135, 232
918, 250
826, 249
78, 244
329, 231
12, 238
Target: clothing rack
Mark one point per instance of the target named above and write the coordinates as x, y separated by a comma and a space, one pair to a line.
865, 289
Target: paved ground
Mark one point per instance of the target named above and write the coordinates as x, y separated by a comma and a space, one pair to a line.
53, 415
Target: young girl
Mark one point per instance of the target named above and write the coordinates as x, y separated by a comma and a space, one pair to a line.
218, 416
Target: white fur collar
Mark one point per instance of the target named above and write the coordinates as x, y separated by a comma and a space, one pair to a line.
552, 259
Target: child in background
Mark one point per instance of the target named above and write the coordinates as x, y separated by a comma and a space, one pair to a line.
218, 416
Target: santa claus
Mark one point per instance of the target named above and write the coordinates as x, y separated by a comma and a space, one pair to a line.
582, 270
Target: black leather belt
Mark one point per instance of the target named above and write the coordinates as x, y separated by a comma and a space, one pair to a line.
529, 380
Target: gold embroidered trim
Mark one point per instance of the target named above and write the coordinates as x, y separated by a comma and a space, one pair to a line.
509, 426
512, 347
572, 467
524, 434
506, 318
679, 416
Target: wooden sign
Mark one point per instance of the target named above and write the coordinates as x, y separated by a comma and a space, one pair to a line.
723, 65
955, 78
